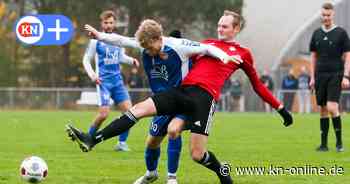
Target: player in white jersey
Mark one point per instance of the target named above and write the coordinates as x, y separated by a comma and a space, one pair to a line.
107, 76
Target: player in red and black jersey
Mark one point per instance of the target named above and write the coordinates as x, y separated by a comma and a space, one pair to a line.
197, 96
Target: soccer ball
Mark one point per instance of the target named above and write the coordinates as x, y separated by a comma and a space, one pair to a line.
33, 169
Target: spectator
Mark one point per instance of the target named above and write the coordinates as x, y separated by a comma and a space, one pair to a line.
236, 93
225, 100
135, 81
304, 91
289, 85
267, 80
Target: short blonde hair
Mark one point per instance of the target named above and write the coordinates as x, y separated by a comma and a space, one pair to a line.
237, 18
148, 31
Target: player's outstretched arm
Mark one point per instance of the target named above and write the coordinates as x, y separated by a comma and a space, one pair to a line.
114, 39
130, 60
264, 92
189, 48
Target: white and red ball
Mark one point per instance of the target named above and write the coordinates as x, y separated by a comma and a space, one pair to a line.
33, 169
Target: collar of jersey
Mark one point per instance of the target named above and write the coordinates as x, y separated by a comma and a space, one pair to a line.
330, 29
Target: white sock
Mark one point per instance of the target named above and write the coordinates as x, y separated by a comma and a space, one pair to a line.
148, 173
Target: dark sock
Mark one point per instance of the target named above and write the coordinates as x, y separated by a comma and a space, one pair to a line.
116, 127
337, 129
324, 126
209, 161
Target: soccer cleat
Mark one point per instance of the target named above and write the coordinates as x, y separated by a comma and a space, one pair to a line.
322, 148
287, 116
122, 147
171, 180
340, 148
145, 179
84, 140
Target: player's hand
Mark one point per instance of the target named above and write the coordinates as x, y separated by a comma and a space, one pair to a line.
287, 116
92, 32
136, 62
96, 79
345, 83
236, 59
312, 84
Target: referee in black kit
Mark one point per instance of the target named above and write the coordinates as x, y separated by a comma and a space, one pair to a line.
330, 65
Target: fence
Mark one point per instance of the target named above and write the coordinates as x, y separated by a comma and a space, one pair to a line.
73, 98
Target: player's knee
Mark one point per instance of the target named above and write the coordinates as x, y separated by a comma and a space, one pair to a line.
144, 108
197, 154
103, 115
323, 111
152, 143
173, 132
332, 108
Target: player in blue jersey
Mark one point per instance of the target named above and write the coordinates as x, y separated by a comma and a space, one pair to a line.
107, 76
159, 125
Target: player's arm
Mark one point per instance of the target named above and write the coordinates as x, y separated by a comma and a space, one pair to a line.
88, 57
313, 60
113, 39
262, 90
129, 60
346, 46
188, 48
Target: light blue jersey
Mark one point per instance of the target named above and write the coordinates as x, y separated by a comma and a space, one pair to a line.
107, 62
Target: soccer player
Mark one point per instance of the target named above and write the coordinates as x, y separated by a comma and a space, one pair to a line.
329, 46
108, 78
163, 74
159, 124
197, 95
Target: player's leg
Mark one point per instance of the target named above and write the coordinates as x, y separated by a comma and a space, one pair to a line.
103, 112
152, 154
201, 124
116, 127
157, 131
333, 96
174, 147
164, 103
103, 94
207, 158
321, 98
121, 97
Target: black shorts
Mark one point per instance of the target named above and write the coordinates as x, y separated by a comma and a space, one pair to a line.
194, 102
328, 87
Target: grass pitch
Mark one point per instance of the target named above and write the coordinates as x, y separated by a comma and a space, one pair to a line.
248, 141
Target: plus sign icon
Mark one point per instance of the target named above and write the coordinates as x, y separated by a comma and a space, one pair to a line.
44, 29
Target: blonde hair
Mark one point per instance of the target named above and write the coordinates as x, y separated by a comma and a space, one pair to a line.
237, 19
148, 31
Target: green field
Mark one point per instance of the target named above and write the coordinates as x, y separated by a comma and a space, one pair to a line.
242, 139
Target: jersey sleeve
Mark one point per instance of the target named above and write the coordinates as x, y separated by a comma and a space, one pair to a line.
313, 43
126, 59
248, 67
187, 48
88, 57
346, 42
119, 40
